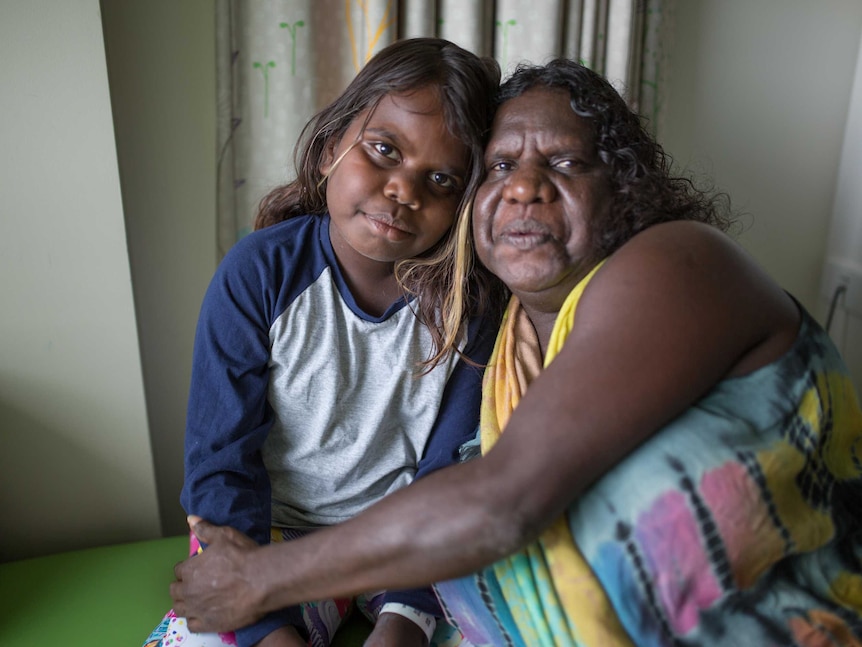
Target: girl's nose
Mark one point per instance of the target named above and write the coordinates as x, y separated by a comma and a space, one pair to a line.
403, 187
528, 185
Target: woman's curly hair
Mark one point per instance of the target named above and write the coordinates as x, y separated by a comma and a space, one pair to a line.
645, 193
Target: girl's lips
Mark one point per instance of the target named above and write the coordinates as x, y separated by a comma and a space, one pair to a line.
386, 226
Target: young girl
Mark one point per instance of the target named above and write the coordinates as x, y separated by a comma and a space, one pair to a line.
317, 383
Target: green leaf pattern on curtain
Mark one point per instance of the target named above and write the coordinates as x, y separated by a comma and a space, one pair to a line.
292, 27
279, 61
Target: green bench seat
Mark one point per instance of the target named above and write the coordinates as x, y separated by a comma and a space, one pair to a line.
112, 596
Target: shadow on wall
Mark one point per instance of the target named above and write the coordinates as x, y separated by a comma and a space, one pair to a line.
62, 488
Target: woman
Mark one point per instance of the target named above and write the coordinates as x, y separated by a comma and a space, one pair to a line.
687, 463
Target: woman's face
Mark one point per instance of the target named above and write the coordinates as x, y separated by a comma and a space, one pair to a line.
545, 188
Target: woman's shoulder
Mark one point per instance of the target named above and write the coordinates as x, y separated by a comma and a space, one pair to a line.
682, 236
671, 259
681, 253
692, 275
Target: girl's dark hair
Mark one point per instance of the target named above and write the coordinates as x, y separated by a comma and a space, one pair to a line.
645, 192
467, 85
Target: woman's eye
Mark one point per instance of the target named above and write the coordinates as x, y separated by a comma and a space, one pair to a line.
501, 166
387, 150
569, 164
444, 181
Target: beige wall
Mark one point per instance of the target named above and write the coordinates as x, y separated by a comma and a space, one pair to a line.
161, 66
75, 462
99, 310
845, 235
757, 97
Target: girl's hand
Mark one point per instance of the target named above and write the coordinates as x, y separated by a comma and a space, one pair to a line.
213, 590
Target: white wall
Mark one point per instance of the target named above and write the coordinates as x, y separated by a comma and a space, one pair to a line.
757, 97
845, 234
75, 462
161, 65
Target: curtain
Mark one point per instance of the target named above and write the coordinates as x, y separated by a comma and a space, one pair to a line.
279, 61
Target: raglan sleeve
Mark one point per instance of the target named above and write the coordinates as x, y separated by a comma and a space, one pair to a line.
228, 416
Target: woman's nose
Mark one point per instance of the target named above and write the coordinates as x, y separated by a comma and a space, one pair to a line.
404, 188
528, 185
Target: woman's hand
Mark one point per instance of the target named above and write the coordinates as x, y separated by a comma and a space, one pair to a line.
214, 590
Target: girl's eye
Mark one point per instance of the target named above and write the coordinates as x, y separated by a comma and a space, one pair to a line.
387, 150
444, 181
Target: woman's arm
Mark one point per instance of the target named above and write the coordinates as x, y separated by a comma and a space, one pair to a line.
674, 311
456, 424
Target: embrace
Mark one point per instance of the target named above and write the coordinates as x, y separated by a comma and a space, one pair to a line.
669, 447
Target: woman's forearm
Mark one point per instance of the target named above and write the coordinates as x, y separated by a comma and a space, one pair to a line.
449, 524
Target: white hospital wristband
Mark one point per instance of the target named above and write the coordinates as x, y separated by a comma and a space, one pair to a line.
427, 623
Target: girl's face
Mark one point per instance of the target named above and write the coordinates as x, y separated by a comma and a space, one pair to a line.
394, 185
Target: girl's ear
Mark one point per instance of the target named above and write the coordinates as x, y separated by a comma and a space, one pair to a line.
328, 157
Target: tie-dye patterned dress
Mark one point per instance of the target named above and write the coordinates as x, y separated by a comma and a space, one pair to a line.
739, 523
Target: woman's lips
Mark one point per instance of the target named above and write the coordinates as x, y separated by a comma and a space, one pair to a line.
523, 233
